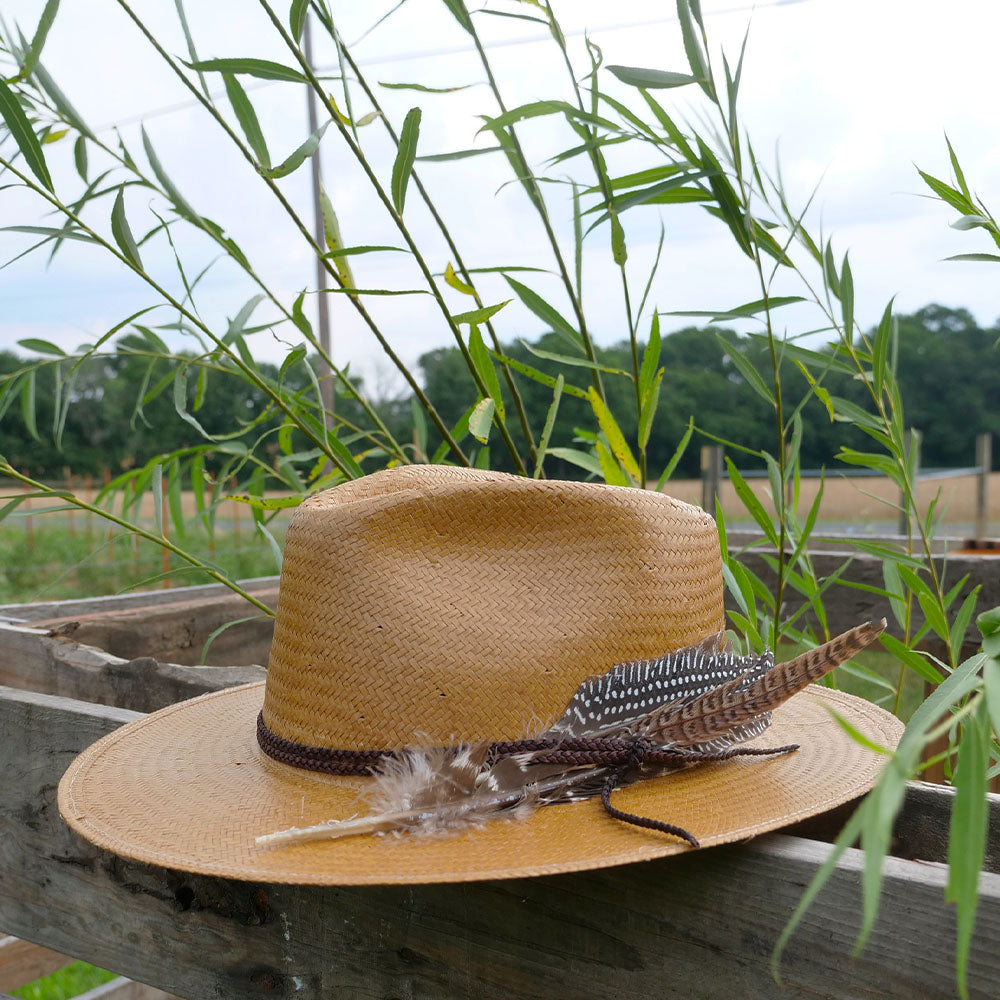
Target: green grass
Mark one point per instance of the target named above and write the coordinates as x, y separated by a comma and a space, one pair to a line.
74, 979
53, 563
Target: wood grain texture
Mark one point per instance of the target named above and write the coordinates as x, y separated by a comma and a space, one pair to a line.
22, 962
699, 926
33, 660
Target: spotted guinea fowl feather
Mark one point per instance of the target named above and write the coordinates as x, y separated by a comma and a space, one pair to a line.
638, 720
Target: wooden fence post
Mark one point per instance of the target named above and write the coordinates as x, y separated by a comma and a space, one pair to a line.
711, 476
984, 466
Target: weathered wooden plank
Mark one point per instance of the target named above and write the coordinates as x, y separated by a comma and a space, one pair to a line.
74, 607
699, 926
22, 962
33, 660
176, 632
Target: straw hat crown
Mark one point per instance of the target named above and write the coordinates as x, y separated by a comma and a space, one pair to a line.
439, 604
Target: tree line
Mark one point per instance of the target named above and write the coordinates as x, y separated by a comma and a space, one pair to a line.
945, 363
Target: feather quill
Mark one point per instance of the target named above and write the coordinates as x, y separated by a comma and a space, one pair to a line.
691, 705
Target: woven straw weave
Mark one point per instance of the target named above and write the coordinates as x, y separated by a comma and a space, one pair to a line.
441, 604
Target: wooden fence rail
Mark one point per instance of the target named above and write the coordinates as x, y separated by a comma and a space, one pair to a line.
699, 926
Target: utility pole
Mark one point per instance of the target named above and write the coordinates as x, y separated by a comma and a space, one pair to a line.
325, 375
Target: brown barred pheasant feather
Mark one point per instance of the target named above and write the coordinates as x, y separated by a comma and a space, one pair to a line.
638, 720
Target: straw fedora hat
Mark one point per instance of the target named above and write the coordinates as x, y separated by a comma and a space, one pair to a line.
445, 606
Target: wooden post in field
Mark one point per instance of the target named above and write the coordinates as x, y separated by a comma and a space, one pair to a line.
165, 521
711, 476
984, 466
912, 445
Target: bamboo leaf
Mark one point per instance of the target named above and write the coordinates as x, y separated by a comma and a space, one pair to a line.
405, 154
744, 311
478, 315
460, 154
651, 79
24, 135
535, 375
41, 346
262, 69
122, 233
297, 18
550, 420
452, 279
247, 118
545, 312
582, 459
481, 419
613, 433
459, 12
34, 50
299, 156
668, 470
649, 403
650, 357
28, 405
967, 835
752, 504
422, 89
483, 364
610, 469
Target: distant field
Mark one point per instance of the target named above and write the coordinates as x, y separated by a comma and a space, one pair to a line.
846, 501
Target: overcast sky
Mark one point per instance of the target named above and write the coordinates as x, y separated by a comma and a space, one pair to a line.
855, 92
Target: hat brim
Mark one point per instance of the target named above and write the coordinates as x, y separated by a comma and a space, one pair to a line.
188, 788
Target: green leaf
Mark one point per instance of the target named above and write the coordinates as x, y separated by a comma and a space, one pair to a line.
880, 349
535, 375
550, 420
917, 663
262, 69
176, 198
697, 59
750, 374
668, 470
847, 299
297, 18
619, 252
546, 313
351, 251
650, 357
483, 364
481, 419
651, 79
744, 311
749, 500
582, 459
247, 118
405, 153
566, 359
610, 469
41, 346
613, 433
38, 40
422, 89
956, 637
478, 315
460, 154
121, 232
23, 134
80, 157
299, 156
649, 404
458, 10
967, 835
991, 258
28, 405
452, 279
268, 503
991, 679
948, 194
